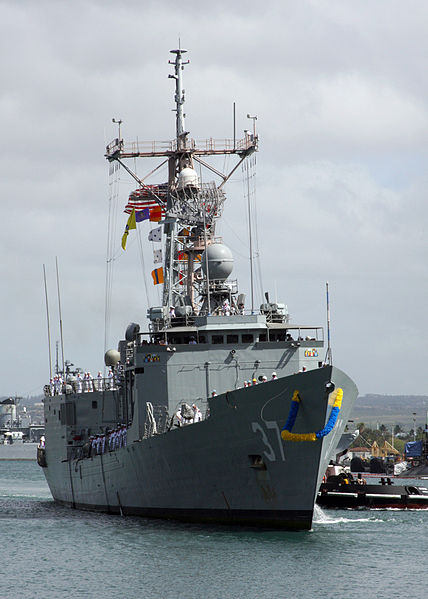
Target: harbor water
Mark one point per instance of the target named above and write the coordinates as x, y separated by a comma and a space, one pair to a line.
52, 552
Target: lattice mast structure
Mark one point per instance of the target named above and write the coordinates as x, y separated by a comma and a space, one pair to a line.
191, 208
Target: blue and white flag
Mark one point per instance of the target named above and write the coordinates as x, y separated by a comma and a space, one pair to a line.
155, 234
157, 256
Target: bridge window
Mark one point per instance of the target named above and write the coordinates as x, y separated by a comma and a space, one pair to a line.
278, 336
247, 338
217, 339
232, 339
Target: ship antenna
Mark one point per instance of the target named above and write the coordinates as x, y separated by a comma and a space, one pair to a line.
179, 96
234, 126
118, 122
60, 317
206, 263
47, 319
250, 232
328, 357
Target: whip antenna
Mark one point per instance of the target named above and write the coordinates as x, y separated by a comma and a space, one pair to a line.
47, 320
328, 357
60, 317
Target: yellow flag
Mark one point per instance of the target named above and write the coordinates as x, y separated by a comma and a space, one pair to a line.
131, 224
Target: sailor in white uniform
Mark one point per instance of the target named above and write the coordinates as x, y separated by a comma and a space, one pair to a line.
90, 382
93, 445
110, 379
79, 383
197, 414
99, 383
180, 418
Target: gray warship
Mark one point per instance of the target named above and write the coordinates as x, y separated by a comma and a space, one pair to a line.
214, 412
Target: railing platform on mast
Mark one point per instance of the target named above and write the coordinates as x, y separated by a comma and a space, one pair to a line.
207, 147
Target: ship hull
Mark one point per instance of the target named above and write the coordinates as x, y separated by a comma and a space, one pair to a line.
232, 468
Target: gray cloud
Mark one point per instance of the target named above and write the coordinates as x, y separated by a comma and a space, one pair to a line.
341, 95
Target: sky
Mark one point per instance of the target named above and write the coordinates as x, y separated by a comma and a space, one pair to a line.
341, 96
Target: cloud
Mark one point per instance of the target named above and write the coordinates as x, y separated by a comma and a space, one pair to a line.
341, 97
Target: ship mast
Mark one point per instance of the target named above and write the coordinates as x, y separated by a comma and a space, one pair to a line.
179, 93
179, 160
191, 208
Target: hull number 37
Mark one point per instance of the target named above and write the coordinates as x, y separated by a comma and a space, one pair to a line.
271, 425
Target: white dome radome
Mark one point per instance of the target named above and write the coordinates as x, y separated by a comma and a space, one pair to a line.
188, 177
220, 261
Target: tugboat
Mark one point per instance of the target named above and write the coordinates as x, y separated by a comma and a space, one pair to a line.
215, 411
342, 490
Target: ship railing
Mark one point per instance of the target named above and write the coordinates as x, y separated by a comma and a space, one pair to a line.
148, 147
222, 286
83, 386
275, 316
199, 146
199, 242
83, 449
182, 321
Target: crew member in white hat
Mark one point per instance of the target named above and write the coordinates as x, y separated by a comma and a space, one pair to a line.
100, 379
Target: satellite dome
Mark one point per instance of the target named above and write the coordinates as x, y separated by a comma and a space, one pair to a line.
188, 177
111, 357
220, 261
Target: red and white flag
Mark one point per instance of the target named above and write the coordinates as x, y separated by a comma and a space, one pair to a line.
145, 198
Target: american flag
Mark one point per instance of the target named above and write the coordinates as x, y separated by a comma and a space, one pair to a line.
143, 198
